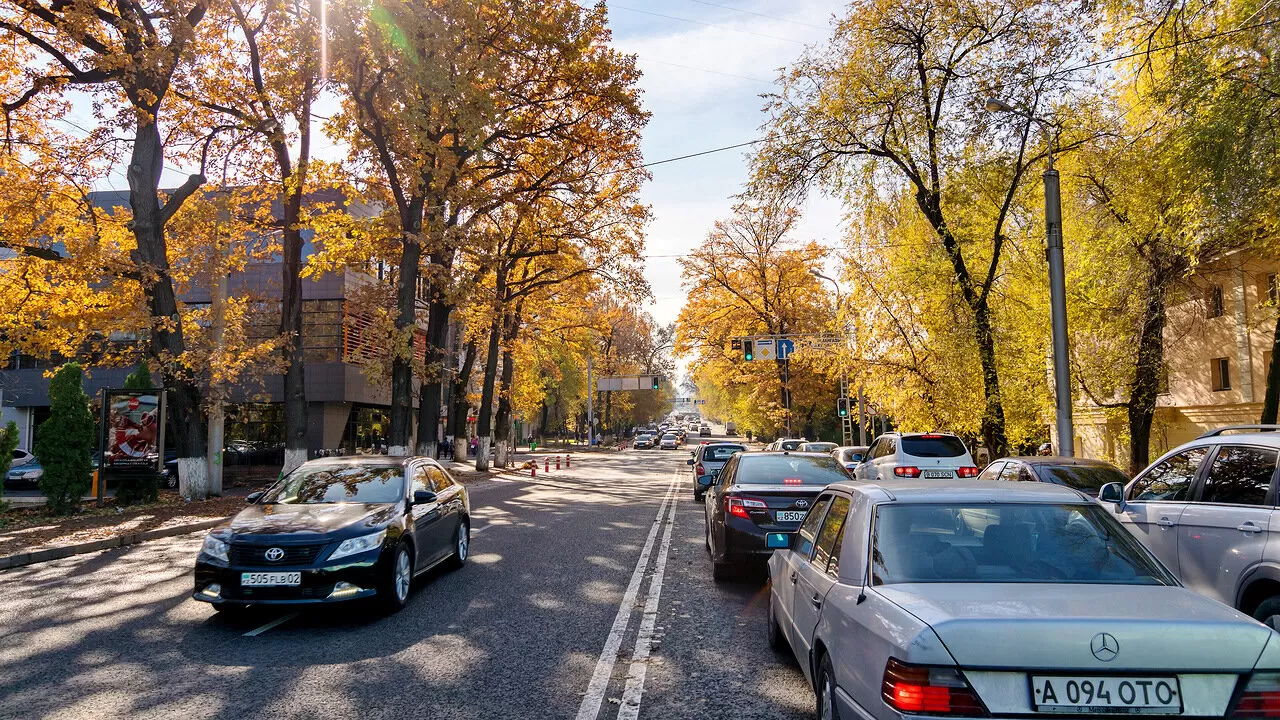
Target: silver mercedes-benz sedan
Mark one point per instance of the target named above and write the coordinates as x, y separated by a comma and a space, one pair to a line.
961, 598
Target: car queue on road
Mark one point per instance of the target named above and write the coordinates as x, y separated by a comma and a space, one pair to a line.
1144, 597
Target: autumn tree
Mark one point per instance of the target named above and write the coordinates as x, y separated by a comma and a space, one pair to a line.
65, 440
892, 105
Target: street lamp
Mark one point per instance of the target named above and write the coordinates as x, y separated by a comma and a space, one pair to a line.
862, 410
1057, 281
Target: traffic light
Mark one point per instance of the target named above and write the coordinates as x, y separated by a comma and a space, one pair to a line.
735, 343
655, 381
746, 350
842, 407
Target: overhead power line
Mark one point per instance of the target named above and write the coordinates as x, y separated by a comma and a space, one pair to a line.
704, 24
752, 12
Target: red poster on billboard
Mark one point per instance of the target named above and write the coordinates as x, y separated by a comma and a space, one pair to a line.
132, 429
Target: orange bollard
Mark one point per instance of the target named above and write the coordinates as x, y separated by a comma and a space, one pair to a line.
566, 460
546, 465
557, 462
533, 471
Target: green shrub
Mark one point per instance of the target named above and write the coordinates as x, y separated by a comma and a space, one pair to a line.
64, 442
139, 379
136, 487
8, 443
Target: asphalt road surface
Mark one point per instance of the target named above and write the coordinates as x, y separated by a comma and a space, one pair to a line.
588, 595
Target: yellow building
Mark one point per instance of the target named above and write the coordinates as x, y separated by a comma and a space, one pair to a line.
1217, 345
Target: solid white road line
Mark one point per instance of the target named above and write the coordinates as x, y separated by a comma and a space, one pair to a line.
274, 623
599, 684
630, 708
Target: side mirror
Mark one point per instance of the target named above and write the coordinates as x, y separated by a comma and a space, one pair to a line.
689, 461
253, 497
857, 458
706, 480
778, 540
422, 497
1113, 493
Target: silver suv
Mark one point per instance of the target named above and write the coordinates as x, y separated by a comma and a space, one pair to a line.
914, 455
1207, 509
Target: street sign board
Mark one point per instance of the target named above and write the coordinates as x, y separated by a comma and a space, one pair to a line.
626, 382
699, 402
785, 347
765, 349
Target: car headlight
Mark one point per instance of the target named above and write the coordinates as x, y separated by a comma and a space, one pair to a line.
215, 548
355, 545
33, 474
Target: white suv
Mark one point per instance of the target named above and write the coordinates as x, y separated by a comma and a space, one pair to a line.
916, 455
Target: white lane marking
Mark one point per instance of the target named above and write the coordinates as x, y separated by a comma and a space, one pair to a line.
630, 708
274, 623
599, 684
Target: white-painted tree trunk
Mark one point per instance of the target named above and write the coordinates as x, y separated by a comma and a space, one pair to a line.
398, 450
293, 457
460, 450
482, 454
427, 449
193, 478
503, 458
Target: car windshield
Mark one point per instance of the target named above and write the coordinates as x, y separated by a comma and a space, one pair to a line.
338, 483
720, 453
788, 470
668, 436
932, 446
1007, 543
1083, 477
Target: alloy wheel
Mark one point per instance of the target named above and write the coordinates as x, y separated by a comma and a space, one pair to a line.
403, 575
462, 541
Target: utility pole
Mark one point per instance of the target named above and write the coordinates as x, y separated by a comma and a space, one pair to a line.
1057, 284
218, 308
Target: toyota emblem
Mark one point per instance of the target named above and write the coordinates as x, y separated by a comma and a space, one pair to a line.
1105, 647
274, 554
802, 503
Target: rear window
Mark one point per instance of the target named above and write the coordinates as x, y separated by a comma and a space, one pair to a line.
933, 446
819, 447
1007, 543
788, 470
1083, 477
790, 445
720, 453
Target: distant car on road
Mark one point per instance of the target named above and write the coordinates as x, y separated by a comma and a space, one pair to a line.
964, 598
731, 429
1207, 509
337, 529
669, 442
644, 441
787, 444
818, 447
704, 431
756, 494
707, 461
932, 456
1083, 474
849, 455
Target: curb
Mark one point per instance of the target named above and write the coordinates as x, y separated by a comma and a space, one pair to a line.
65, 551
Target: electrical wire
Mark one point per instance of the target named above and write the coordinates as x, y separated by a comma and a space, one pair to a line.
612, 5
751, 12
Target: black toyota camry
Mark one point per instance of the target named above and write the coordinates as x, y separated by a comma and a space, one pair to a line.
337, 529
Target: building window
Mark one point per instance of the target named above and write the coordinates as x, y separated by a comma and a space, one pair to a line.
322, 330
1214, 302
1220, 368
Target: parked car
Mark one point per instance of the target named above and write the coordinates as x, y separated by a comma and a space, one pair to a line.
337, 529
916, 598
1207, 509
756, 494
25, 476
933, 456
787, 444
1083, 474
21, 457
707, 461
849, 455
818, 447
669, 442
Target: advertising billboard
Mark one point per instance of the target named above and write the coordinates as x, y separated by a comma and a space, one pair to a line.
132, 422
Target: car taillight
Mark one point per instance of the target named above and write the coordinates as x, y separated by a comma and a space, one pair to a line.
968, 472
792, 481
739, 506
910, 471
1261, 697
931, 690
700, 471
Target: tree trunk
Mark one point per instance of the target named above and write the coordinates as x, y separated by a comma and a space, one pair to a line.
166, 342
429, 400
1147, 371
295, 392
993, 433
484, 427
406, 322
503, 427
1271, 402
458, 410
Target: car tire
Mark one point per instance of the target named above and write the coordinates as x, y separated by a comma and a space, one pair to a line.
461, 546
723, 572
1268, 612
777, 639
393, 591
825, 691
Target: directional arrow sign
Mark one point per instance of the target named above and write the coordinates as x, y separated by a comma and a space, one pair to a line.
764, 349
785, 348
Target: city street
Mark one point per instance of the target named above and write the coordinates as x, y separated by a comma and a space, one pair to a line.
531, 627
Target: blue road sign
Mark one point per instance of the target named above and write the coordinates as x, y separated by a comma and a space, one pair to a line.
785, 348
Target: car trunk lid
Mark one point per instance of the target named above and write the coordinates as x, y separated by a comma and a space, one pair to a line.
778, 498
